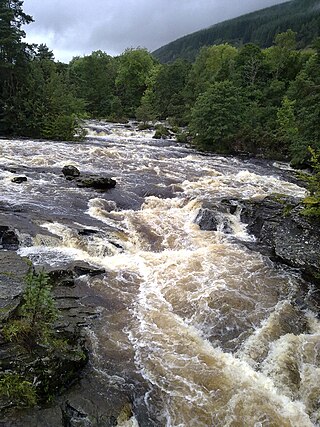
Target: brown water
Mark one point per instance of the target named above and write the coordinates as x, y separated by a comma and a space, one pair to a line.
199, 330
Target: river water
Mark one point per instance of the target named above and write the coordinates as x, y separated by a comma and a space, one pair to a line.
196, 328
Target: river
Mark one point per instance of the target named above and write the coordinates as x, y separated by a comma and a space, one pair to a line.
198, 329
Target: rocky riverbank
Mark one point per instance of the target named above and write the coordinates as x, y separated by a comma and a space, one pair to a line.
65, 389
281, 231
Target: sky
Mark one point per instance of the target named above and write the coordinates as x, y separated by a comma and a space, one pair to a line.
78, 27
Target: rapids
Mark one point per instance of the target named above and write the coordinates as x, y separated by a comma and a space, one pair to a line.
197, 329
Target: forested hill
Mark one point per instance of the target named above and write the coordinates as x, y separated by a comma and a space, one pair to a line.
302, 16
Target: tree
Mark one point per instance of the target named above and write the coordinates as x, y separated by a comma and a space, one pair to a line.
283, 59
305, 91
14, 55
48, 108
312, 202
287, 131
93, 80
134, 67
214, 63
217, 116
44, 53
166, 88
250, 64
37, 313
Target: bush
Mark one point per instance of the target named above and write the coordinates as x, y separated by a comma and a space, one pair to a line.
17, 390
36, 314
312, 202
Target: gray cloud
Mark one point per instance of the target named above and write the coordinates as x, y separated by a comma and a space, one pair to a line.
77, 27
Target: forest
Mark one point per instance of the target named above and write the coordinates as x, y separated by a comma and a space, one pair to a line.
246, 100
260, 27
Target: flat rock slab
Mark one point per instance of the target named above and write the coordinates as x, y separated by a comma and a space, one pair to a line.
13, 270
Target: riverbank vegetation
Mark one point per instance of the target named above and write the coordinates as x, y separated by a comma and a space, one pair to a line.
233, 100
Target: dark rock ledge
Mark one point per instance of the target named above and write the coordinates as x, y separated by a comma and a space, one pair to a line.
96, 182
280, 229
68, 393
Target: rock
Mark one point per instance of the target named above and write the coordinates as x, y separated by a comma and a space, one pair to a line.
213, 220
162, 132
12, 284
96, 182
19, 179
284, 234
70, 172
8, 238
207, 220
73, 417
56, 365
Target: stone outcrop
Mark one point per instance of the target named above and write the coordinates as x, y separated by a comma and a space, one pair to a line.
8, 238
52, 367
97, 182
281, 230
19, 179
284, 233
70, 172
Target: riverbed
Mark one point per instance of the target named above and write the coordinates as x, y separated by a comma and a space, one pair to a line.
198, 329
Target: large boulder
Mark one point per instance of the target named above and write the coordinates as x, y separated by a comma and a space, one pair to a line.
279, 225
70, 172
12, 284
19, 179
95, 181
8, 238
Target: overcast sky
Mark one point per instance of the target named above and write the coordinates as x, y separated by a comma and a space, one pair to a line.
78, 27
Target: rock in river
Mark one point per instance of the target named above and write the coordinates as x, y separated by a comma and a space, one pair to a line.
96, 182
19, 179
70, 172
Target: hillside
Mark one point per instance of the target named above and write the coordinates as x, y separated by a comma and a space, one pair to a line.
302, 16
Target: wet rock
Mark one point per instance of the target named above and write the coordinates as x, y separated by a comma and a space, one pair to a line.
87, 232
96, 182
8, 238
56, 365
12, 274
19, 179
284, 234
70, 172
213, 220
73, 417
207, 220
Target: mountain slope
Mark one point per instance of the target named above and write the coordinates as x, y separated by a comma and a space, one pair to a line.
302, 16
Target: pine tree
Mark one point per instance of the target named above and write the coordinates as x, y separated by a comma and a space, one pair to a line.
14, 55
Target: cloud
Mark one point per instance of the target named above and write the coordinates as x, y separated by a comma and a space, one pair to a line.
77, 27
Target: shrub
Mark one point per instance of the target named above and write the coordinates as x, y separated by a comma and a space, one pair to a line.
36, 314
312, 202
17, 390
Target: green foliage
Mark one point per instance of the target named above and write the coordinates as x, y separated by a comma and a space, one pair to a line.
260, 28
312, 202
36, 314
161, 132
216, 116
14, 55
214, 63
134, 67
93, 80
286, 120
17, 391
